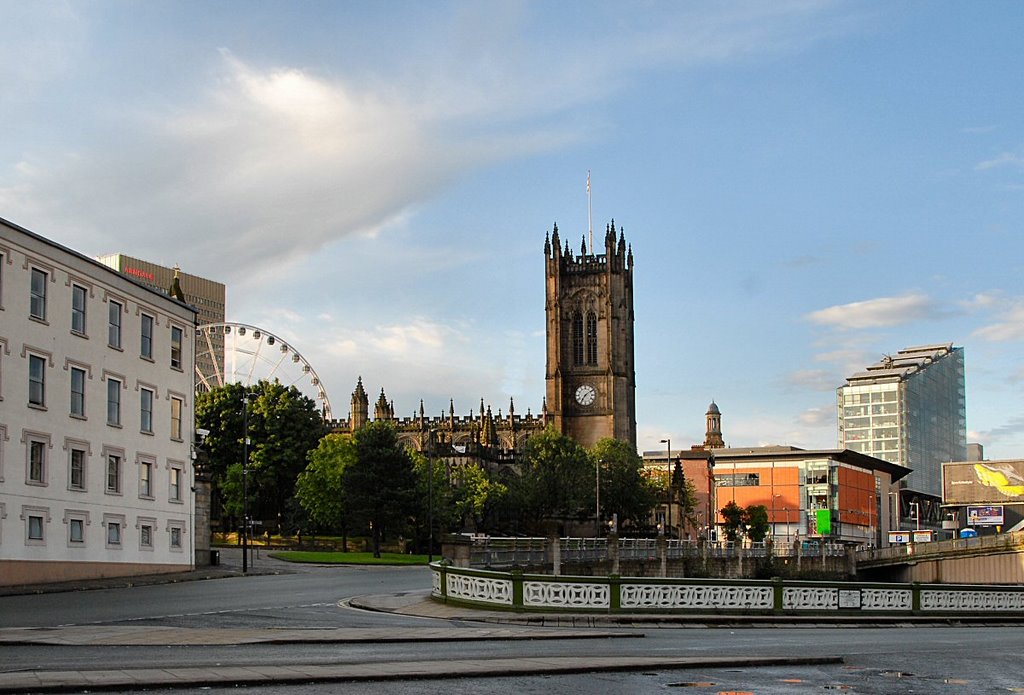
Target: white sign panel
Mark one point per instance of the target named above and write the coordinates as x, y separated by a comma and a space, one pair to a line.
897, 537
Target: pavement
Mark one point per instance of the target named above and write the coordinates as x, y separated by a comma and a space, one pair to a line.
453, 624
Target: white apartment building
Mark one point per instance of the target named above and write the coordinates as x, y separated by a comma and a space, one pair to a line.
96, 418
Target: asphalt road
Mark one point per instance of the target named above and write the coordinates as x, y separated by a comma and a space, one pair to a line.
918, 659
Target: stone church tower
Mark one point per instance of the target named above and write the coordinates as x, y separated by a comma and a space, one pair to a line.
590, 380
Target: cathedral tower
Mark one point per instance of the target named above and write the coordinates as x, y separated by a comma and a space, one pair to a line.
590, 380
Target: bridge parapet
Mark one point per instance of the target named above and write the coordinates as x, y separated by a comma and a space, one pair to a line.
938, 550
523, 592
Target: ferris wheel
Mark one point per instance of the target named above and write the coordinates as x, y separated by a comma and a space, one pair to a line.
237, 353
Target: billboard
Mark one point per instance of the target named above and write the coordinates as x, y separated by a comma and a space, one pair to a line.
983, 482
991, 515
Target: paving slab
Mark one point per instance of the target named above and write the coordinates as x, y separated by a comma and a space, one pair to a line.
88, 635
130, 679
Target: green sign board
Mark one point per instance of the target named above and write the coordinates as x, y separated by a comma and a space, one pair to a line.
823, 521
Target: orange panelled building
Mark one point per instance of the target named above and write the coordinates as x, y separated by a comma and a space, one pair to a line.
831, 495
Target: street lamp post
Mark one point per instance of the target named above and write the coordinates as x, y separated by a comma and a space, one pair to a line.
245, 482
774, 529
430, 496
896, 509
711, 495
597, 496
668, 459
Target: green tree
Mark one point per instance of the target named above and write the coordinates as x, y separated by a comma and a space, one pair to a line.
283, 425
380, 484
556, 480
733, 525
755, 518
463, 494
625, 490
319, 488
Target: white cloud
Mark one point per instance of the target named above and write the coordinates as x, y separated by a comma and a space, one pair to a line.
818, 417
1003, 159
812, 379
267, 165
876, 313
1009, 321
978, 130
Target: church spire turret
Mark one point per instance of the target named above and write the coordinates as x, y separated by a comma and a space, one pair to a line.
360, 407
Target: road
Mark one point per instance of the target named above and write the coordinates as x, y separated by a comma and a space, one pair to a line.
919, 659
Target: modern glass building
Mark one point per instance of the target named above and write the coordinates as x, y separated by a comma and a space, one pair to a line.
908, 409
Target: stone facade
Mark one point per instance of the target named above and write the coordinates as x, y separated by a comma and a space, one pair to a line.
590, 379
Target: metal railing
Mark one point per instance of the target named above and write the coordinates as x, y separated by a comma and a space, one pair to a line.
499, 553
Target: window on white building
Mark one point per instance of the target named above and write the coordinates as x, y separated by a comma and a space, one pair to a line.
114, 473
176, 341
146, 410
176, 404
37, 300
37, 381
76, 531
146, 346
77, 392
78, 295
114, 310
36, 462
146, 479
76, 469
113, 402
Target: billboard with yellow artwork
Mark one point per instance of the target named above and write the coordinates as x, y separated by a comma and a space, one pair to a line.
980, 482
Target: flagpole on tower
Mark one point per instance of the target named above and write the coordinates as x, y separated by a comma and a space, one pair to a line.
590, 214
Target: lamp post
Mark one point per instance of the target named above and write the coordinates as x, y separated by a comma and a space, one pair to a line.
711, 496
668, 459
245, 482
774, 529
430, 496
597, 496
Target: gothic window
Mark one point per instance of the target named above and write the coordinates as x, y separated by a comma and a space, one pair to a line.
577, 338
592, 339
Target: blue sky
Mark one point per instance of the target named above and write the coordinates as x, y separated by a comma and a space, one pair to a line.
806, 186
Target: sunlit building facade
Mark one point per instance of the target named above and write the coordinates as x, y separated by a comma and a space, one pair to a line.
908, 409
96, 419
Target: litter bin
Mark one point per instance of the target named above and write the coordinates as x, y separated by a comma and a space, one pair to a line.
214, 557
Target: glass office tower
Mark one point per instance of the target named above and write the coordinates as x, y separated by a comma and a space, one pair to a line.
909, 409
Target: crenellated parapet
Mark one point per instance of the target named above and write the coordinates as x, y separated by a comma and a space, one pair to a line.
479, 434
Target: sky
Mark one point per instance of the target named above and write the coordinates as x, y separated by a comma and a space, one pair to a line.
806, 186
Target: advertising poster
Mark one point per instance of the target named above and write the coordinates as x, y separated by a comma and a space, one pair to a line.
983, 482
991, 515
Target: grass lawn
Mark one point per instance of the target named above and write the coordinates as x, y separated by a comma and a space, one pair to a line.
339, 558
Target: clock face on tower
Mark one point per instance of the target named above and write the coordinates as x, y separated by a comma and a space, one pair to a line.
585, 395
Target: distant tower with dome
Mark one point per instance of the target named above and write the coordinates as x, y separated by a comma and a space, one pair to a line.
713, 433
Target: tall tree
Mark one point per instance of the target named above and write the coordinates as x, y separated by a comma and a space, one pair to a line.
733, 525
380, 484
556, 480
755, 518
625, 490
319, 488
282, 426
